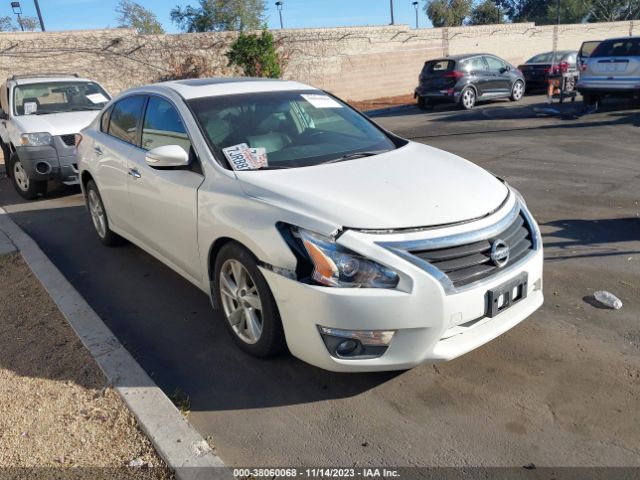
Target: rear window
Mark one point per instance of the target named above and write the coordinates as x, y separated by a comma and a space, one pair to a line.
625, 47
435, 66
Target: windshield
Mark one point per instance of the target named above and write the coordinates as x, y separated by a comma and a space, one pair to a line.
57, 97
549, 57
285, 129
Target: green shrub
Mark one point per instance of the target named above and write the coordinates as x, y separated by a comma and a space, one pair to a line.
256, 55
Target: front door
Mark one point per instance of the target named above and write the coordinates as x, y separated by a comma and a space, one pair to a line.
500, 80
164, 202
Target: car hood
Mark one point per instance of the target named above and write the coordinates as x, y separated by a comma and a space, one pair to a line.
55, 123
413, 186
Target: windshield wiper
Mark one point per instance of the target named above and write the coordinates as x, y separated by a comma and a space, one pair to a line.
350, 156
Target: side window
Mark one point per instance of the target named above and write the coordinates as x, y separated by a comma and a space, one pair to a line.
125, 117
494, 64
475, 64
163, 126
104, 120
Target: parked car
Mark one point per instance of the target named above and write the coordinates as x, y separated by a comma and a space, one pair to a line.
309, 225
536, 70
613, 69
467, 79
39, 118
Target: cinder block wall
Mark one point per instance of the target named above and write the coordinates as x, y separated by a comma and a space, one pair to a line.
356, 63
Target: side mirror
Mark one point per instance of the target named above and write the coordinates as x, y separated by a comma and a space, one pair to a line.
3, 115
167, 156
505, 69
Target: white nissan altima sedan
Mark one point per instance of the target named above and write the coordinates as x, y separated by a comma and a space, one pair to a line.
310, 226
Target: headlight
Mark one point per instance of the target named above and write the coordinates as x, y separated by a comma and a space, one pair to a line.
36, 139
336, 266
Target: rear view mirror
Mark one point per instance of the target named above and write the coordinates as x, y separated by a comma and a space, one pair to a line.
167, 156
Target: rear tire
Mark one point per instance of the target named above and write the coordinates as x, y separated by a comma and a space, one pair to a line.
247, 304
468, 98
28, 188
590, 100
99, 217
424, 104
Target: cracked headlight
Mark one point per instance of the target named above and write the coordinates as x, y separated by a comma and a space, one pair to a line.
38, 139
337, 266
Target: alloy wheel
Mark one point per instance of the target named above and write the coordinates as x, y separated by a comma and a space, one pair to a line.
97, 213
241, 301
20, 176
468, 98
518, 91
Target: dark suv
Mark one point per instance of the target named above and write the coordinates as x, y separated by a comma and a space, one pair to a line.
465, 79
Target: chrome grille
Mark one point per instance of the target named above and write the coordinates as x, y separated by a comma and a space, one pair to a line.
465, 264
69, 140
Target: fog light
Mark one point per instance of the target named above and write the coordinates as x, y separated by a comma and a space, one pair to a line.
356, 344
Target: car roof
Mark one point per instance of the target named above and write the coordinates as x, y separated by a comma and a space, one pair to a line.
462, 56
211, 87
29, 80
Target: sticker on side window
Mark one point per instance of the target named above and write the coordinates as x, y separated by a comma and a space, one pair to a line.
30, 107
241, 157
321, 101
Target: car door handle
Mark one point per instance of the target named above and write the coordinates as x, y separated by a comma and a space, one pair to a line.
98, 151
134, 173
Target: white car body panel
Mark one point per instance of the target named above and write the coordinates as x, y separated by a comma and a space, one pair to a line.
414, 193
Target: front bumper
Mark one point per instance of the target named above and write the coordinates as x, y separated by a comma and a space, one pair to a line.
50, 162
431, 323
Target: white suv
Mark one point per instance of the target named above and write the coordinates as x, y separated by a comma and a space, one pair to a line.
309, 225
39, 118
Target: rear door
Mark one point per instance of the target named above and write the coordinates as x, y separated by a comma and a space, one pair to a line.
112, 147
164, 201
616, 60
478, 72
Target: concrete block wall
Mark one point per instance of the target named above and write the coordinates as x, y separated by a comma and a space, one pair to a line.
355, 63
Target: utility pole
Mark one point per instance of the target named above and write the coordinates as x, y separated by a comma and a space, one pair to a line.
415, 6
39, 15
557, 12
393, 22
279, 5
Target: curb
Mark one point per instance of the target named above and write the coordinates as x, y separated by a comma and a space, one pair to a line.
381, 111
175, 440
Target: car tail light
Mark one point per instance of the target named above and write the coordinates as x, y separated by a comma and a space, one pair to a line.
78, 139
457, 74
583, 67
564, 67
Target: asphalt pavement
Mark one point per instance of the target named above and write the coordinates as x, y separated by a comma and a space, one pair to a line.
561, 389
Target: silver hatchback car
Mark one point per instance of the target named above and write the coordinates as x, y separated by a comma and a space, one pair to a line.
613, 69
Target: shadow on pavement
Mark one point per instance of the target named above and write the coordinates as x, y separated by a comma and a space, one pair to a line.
168, 324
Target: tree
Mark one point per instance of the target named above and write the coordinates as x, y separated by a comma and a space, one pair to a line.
485, 13
447, 13
571, 11
6, 24
219, 15
256, 55
613, 10
134, 15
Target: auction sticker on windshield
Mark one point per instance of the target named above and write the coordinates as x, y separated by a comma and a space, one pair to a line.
97, 98
321, 101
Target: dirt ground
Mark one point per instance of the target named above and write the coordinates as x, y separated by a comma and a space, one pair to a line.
57, 410
384, 102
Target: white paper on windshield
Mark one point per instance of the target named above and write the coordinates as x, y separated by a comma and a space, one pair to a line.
321, 101
260, 156
30, 107
97, 98
240, 157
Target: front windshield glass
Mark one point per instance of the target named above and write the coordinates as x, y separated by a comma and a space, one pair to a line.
56, 97
286, 129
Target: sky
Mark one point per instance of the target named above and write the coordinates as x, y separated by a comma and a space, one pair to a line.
91, 14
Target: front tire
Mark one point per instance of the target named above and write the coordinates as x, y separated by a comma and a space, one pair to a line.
250, 311
468, 98
28, 188
517, 91
99, 216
